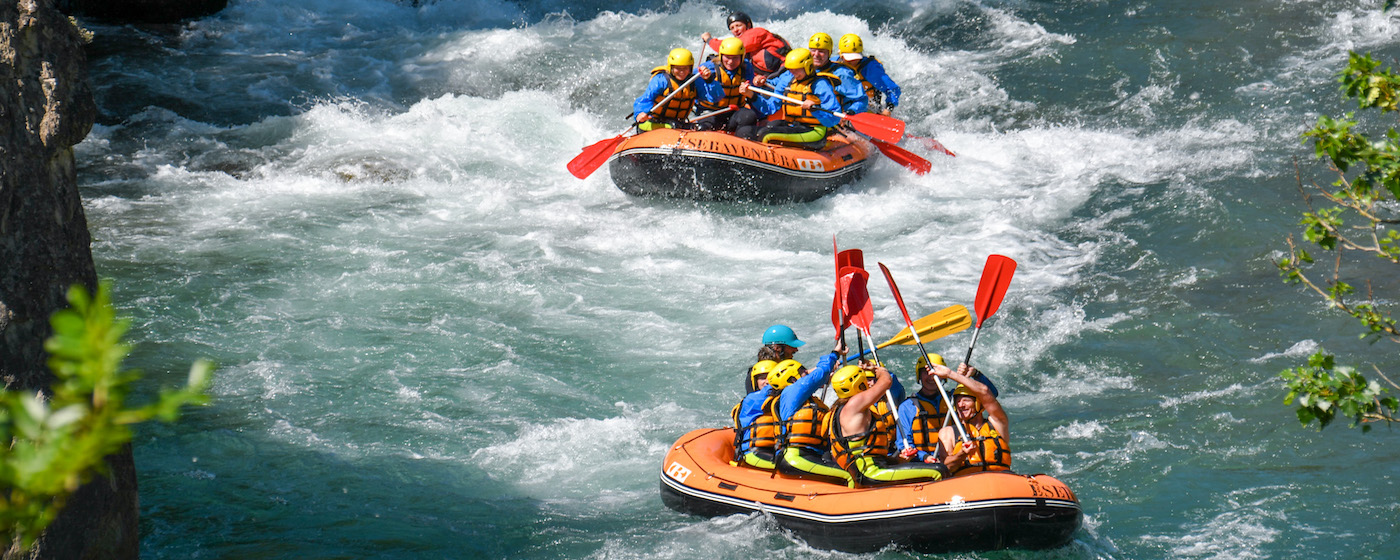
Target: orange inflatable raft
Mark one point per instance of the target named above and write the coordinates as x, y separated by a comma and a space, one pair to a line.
982, 511
704, 165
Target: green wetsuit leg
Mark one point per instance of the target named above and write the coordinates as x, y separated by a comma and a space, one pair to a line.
760, 459
793, 133
809, 460
874, 472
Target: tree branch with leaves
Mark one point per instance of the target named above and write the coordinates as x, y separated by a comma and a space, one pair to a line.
1359, 221
58, 441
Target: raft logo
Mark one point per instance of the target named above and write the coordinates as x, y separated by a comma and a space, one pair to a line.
678, 472
1056, 492
810, 165
956, 503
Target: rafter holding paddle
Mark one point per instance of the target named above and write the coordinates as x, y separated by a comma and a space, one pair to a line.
913, 328
875, 125
597, 153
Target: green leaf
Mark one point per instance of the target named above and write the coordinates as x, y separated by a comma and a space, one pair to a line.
56, 445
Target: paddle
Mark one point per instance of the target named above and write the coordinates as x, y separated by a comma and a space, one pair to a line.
856, 305
996, 276
934, 144
951, 320
713, 113
852, 258
898, 299
903, 157
849, 257
598, 152
874, 125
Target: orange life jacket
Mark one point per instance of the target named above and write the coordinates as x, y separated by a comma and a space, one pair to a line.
992, 453
805, 426
923, 430
678, 108
873, 442
730, 82
763, 432
803, 90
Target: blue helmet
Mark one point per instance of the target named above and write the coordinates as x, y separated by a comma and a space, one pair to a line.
781, 334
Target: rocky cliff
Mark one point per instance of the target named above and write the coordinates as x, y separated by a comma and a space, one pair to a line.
46, 107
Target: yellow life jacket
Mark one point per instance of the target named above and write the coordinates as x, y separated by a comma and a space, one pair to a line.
803, 90
730, 83
870, 91
678, 108
805, 426
873, 442
992, 453
926, 423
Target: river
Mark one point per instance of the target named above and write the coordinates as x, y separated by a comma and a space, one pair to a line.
436, 343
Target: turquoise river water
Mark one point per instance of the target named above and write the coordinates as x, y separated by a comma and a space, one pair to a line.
436, 343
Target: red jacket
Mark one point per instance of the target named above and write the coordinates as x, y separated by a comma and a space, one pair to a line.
762, 47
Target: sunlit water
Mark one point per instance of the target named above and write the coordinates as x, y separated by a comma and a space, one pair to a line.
436, 343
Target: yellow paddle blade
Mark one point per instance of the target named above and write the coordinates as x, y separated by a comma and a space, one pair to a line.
951, 320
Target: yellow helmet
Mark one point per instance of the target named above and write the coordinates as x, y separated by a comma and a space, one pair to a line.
963, 391
850, 43
799, 58
732, 46
820, 41
680, 57
785, 373
922, 363
759, 369
848, 382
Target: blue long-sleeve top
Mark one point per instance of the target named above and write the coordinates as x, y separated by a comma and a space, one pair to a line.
829, 102
797, 394
850, 90
707, 91
874, 72
909, 408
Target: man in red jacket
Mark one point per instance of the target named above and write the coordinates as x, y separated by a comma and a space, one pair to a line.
765, 49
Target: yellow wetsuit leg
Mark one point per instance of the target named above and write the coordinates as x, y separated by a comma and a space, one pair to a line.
874, 472
816, 134
809, 460
762, 459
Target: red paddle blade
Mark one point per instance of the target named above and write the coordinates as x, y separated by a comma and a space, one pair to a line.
898, 299
856, 301
936, 145
837, 319
850, 257
908, 159
593, 157
878, 126
996, 277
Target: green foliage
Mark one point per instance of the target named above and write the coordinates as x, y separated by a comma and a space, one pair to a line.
1324, 391
59, 441
1362, 218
